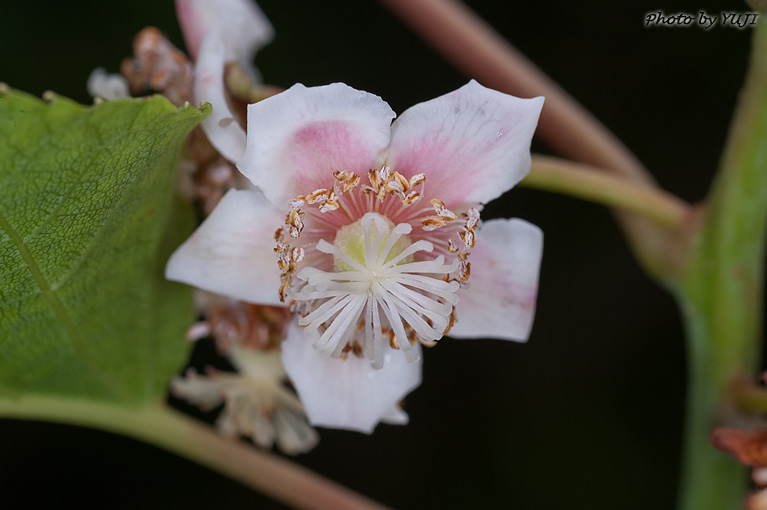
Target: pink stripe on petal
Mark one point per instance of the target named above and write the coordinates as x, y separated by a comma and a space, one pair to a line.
500, 299
193, 26
473, 144
320, 147
297, 138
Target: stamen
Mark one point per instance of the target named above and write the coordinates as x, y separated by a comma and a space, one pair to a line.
431, 223
442, 211
373, 289
380, 278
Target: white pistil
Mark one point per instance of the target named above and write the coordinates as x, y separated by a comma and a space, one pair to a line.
375, 273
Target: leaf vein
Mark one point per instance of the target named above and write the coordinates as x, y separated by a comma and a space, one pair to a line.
56, 305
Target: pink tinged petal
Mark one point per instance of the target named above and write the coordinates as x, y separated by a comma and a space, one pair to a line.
297, 138
473, 144
221, 128
347, 394
500, 299
231, 253
395, 415
241, 25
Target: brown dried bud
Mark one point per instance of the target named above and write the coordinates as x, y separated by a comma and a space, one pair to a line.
749, 447
158, 65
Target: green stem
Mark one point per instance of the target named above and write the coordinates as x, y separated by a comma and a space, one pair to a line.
752, 399
710, 480
720, 293
596, 185
177, 433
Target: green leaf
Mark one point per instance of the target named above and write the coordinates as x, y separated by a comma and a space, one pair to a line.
87, 220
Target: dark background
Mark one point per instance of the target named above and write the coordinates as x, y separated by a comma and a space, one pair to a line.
588, 414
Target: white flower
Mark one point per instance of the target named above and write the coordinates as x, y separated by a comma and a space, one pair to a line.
375, 229
107, 86
240, 25
216, 33
257, 404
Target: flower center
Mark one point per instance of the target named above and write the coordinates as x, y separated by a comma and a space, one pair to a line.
377, 289
351, 239
380, 284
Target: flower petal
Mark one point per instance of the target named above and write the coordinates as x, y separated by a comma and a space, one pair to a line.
107, 85
297, 138
473, 144
201, 391
500, 299
230, 253
347, 394
395, 415
221, 128
241, 25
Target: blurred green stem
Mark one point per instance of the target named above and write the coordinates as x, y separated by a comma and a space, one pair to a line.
751, 398
594, 184
720, 293
161, 426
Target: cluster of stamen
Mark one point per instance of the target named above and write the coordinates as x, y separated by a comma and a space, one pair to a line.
467, 235
384, 296
442, 218
382, 183
288, 257
325, 200
385, 182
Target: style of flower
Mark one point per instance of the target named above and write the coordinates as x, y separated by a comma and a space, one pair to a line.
369, 231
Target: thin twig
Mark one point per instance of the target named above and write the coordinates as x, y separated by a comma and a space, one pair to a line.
276, 477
